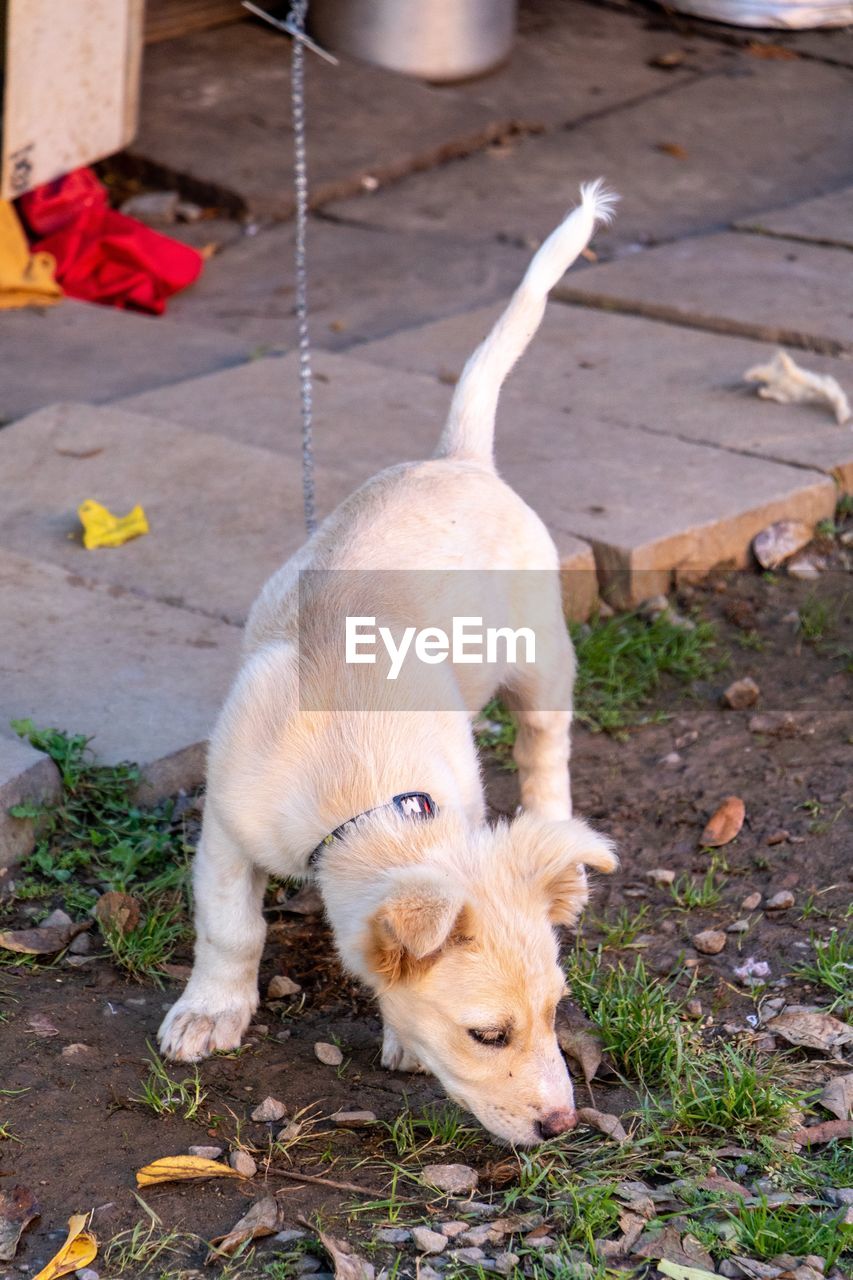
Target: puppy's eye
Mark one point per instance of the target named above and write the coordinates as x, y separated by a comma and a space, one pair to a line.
494, 1037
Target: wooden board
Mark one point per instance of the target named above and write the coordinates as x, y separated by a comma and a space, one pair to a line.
71, 86
166, 19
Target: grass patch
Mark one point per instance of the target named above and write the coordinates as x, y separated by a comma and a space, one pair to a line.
638, 1018
437, 1126
832, 966
763, 1232
622, 661
167, 1096
622, 930
729, 1093
687, 892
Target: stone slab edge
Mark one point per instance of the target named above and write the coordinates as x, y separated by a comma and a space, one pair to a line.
26, 776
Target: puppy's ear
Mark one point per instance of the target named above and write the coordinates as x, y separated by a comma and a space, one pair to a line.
554, 855
414, 922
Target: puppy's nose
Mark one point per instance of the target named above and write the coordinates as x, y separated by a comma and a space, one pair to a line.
557, 1122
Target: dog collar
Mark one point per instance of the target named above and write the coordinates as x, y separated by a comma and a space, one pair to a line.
411, 804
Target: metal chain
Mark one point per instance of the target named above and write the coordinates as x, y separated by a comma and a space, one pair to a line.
298, 11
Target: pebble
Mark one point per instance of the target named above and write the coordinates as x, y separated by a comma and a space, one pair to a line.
394, 1235
780, 901
661, 876
281, 986
353, 1119
306, 1264
87, 1273
428, 1241
288, 1236
506, 1263
205, 1153
452, 1229
78, 962
76, 1050
426, 1272
751, 902
738, 926
672, 760
468, 1255
455, 1179
289, 1132
694, 1008
778, 837
81, 945
329, 1054
741, 694
839, 1195
57, 919
814, 1260
243, 1163
269, 1110
731, 1269
154, 208
477, 1208
710, 941
485, 1233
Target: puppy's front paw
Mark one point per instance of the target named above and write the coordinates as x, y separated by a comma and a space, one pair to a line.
395, 1057
192, 1030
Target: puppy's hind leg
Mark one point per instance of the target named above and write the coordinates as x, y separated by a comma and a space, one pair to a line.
222, 993
540, 698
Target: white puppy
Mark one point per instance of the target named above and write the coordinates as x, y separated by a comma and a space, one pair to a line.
449, 921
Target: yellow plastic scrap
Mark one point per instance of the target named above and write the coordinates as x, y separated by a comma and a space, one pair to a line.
79, 1250
102, 529
26, 279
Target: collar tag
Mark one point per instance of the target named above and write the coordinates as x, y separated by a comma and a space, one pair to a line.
417, 805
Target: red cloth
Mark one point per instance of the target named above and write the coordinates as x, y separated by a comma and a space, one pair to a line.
101, 255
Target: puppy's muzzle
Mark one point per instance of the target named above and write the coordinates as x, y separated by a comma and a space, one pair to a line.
556, 1122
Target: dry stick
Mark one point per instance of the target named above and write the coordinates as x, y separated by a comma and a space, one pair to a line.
322, 1182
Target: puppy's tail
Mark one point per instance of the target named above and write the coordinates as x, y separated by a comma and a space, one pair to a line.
470, 428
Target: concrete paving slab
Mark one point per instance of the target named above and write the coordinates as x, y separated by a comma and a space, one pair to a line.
223, 515
784, 115
639, 373
215, 106
755, 286
364, 415
26, 776
83, 352
145, 680
824, 220
362, 283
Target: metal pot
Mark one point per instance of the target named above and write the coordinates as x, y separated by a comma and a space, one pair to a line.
430, 39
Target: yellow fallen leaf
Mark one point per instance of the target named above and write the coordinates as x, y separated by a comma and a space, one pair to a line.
183, 1169
678, 1272
102, 529
79, 1250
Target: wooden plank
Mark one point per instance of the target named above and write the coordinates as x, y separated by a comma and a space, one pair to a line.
167, 19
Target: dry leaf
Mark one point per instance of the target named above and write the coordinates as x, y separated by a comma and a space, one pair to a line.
348, 1265
678, 1272
815, 1135
183, 1169
579, 1044
811, 1030
779, 541
668, 1245
79, 1250
837, 1097
262, 1219
725, 823
45, 941
605, 1123
117, 911
772, 52
18, 1208
41, 1025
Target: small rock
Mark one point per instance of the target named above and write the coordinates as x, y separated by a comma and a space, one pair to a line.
778, 837
57, 919
425, 1272
455, 1179
281, 986
289, 1132
815, 1261
353, 1119
752, 972
741, 694
539, 1242
78, 962
329, 1054
243, 1163
477, 1208
154, 208
485, 1233
775, 544
306, 1265
87, 1273
672, 760
710, 941
751, 902
393, 1235
661, 876
806, 568
738, 926
77, 1050
467, 1255
427, 1241
731, 1269
81, 945
506, 1263
452, 1229
694, 1008
291, 1234
776, 724
780, 901
205, 1153
269, 1111
839, 1195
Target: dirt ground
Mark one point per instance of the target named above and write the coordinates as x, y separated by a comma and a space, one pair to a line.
78, 1136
